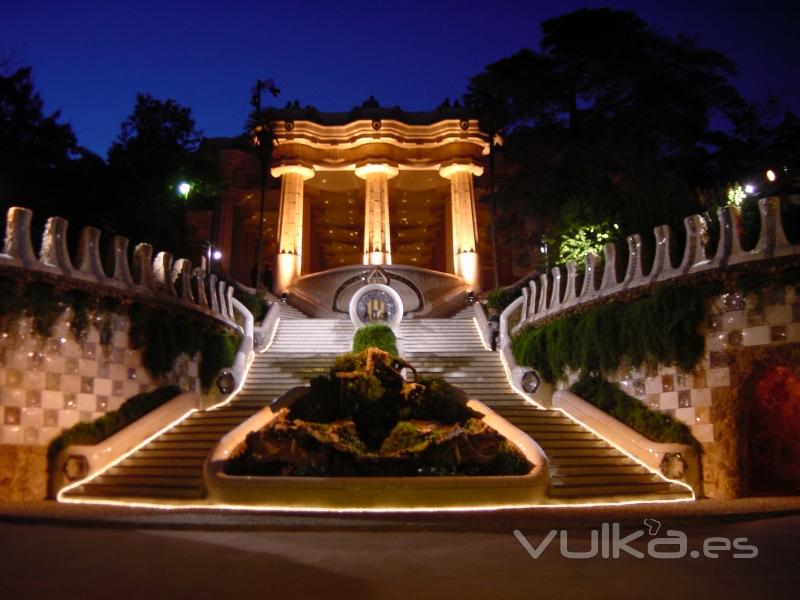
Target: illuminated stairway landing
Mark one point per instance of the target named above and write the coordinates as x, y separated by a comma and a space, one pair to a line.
583, 466
170, 468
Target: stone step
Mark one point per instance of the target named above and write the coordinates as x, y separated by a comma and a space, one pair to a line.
557, 469
177, 471
93, 490
604, 479
622, 489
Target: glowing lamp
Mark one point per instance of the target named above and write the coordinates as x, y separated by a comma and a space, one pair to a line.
184, 188
749, 189
770, 174
216, 255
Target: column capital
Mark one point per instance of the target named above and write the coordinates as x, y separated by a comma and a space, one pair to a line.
365, 169
447, 171
305, 171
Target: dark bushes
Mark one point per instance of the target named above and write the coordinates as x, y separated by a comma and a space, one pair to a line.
95, 432
652, 424
663, 328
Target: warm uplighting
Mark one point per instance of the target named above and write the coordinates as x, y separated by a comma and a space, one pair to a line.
467, 267
287, 267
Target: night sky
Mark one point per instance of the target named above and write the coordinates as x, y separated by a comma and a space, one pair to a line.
91, 58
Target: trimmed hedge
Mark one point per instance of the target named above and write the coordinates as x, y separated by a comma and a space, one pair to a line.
375, 336
500, 298
650, 423
95, 432
662, 328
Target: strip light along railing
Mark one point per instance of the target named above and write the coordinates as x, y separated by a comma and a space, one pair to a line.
160, 278
565, 287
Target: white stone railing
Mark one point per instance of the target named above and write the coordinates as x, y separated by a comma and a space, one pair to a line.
160, 278
565, 288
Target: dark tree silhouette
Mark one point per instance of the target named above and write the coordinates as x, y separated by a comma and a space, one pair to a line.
156, 150
609, 121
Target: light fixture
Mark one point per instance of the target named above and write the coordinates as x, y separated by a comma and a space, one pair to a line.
184, 187
770, 174
749, 189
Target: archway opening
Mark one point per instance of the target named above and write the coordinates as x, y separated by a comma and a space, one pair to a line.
774, 432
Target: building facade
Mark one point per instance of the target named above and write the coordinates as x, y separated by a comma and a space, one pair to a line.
374, 186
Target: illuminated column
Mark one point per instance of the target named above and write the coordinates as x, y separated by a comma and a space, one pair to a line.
290, 223
464, 224
377, 244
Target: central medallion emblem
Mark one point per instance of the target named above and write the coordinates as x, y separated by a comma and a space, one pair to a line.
376, 303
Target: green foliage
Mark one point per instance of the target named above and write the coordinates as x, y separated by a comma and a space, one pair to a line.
404, 436
577, 241
662, 328
652, 424
160, 350
158, 147
43, 306
375, 336
81, 303
609, 120
163, 337
257, 305
219, 351
95, 432
377, 399
12, 304
500, 298
138, 314
439, 402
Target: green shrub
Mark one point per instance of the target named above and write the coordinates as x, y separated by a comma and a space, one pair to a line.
652, 424
12, 303
95, 432
439, 402
43, 306
662, 328
257, 305
81, 304
375, 336
219, 351
500, 298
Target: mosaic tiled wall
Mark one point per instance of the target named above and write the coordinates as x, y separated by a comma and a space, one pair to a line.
733, 322
47, 386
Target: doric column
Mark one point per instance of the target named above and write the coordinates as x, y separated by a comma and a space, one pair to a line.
290, 223
464, 224
377, 243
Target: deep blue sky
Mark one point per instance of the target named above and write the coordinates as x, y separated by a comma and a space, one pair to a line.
91, 58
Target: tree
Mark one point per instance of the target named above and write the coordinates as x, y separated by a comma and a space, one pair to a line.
610, 121
34, 147
156, 150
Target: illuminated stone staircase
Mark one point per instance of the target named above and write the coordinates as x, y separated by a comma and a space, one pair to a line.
170, 468
583, 466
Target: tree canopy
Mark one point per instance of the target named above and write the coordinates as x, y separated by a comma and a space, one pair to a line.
155, 151
611, 123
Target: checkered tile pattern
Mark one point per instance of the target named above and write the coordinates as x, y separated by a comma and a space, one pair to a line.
733, 321
47, 386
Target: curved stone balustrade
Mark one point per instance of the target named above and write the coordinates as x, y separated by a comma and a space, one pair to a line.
161, 278
565, 288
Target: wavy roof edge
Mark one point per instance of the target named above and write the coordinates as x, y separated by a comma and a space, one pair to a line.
359, 113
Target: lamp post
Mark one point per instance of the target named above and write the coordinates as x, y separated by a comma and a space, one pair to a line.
184, 187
